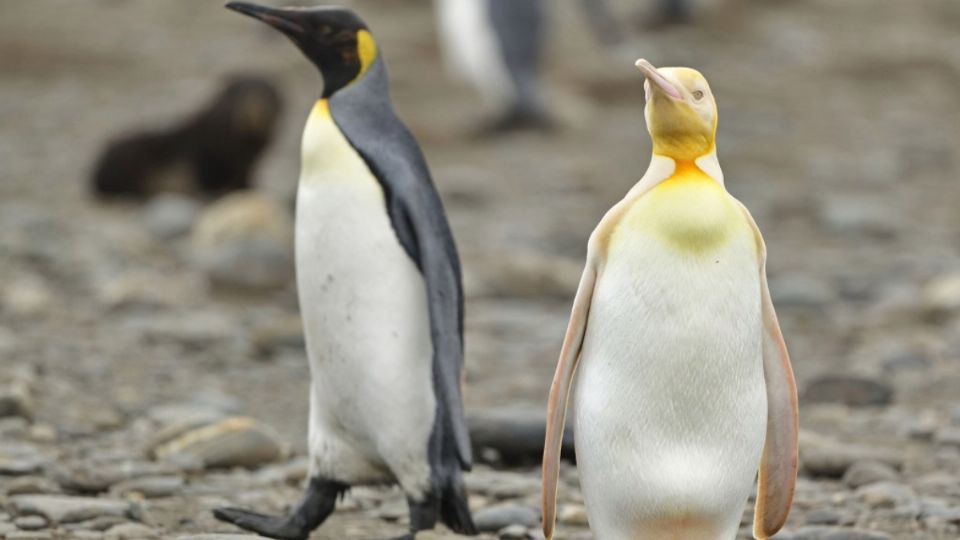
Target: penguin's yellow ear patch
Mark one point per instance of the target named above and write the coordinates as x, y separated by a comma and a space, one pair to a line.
366, 50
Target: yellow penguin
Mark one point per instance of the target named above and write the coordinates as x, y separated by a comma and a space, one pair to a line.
684, 386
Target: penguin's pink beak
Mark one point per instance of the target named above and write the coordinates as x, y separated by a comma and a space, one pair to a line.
657, 79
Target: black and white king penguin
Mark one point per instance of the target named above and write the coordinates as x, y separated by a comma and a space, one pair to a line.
496, 46
380, 293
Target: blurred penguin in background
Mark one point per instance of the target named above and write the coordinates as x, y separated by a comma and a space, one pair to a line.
496, 46
211, 153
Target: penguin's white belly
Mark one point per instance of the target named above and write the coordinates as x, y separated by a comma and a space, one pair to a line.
472, 50
670, 402
366, 323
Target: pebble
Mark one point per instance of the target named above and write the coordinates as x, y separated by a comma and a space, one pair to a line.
572, 514
857, 215
825, 457
948, 436
244, 240
852, 390
866, 472
170, 215
130, 531
513, 532
30, 523
65, 509
941, 296
213, 536
236, 441
149, 487
438, 535
16, 399
29, 535
495, 518
31, 485
886, 495
833, 533
828, 516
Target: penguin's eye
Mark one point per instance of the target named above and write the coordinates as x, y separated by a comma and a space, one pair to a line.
325, 29
698, 95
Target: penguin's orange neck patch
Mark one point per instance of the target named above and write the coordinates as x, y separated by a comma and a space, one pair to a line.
321, 108
689, 210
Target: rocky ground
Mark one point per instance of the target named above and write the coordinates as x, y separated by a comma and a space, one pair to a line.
137, 393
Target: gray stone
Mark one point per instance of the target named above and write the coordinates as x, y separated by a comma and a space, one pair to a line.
513, 532
21, 465
866, 472
825, 457
244, 240
16, 399
572, 514
130, 531
886, 495
170, 215
31, 485
149, 487
825, 516
213, 536
941, 296
30, 535
495, 518
440, 535
237, 441
948, 436
833, 533
852, 390
64, 509
30, 523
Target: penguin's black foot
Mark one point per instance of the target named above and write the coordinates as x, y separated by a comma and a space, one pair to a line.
318, 503
282, 527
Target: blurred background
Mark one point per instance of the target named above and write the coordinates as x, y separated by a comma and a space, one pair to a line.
131, 328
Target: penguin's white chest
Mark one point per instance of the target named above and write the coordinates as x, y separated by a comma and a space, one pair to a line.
670, 402
366, 323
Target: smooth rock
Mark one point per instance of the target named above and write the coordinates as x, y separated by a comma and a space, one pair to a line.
64, 509
30, 523
825, 457
245, 240
495, 518
948, 436
149, 487
438, 535
236, 441
21, 465
130, 531
214, 536
26, 297
572, 514
526, 274
825, 516
851, 390
29, 535
833, 533
170, 215
16, 399
31, 485
866, 472
941, 296
513, 532
278, 334
886, 495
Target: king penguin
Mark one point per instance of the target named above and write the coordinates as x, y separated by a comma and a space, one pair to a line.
380, 293
684, 388
496, 46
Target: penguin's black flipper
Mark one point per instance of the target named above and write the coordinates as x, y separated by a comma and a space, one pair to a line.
454, 510
318, 503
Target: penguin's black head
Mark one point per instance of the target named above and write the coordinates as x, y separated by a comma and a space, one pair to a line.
336, 40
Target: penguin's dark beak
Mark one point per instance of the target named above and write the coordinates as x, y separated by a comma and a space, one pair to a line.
287, 21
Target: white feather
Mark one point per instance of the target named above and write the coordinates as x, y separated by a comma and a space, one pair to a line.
365, 319
670, 403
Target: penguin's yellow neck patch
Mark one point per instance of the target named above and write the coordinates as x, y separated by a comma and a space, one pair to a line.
321, 109
366, 51
689, 210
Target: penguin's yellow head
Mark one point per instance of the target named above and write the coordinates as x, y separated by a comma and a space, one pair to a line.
336, 40
681, 112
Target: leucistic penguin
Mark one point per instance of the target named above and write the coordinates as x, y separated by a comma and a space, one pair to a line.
684, 386
496, 46
380, 293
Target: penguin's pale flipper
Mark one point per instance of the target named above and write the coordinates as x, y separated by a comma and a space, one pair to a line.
318, 503
778, 465
559, 394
